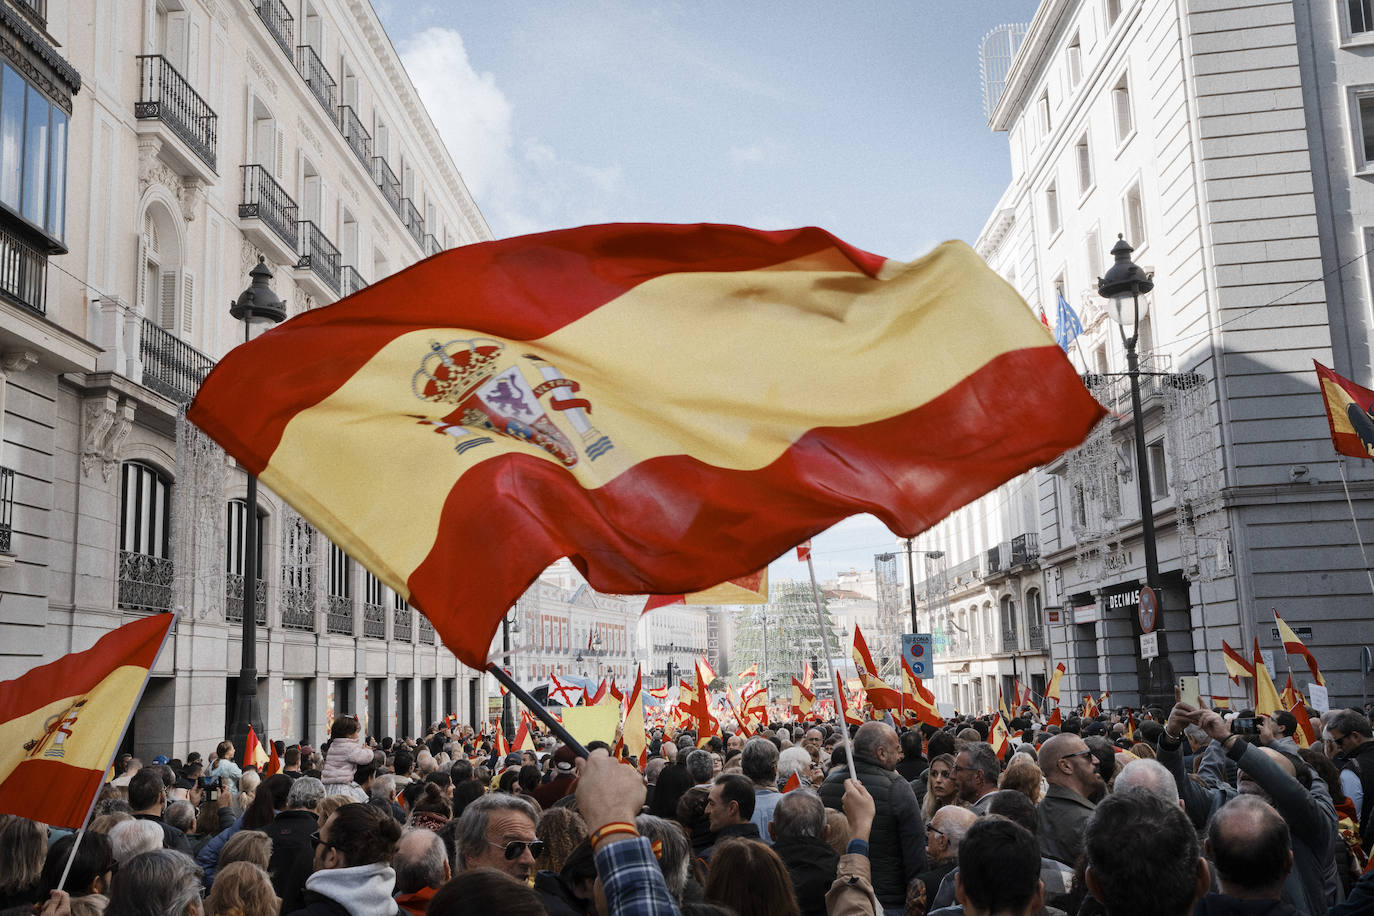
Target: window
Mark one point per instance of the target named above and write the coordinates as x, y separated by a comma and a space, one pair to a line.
1042, 113
236, 534
339, 571
1084, 159
165, 292
1034, 610
1113, 11
1135, 217
1092, 248
1159, 469
312, 193
1365, 103
145, 497
372, 590
1121, 109
1052, 207
33, 155
1361, 13
1074, 61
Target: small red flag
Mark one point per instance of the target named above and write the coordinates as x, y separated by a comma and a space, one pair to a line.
793, 782
803, 551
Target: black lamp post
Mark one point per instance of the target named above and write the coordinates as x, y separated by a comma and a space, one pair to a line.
1123, 286
256, 305
508, 626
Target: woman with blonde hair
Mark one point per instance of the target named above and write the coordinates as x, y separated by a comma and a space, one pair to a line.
253, 846
561, 829
23, 849
242, 889
329, 804
1023, 775
248, 788
941, 788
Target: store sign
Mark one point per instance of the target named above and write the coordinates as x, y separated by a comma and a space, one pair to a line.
1124, 599
1088, 613
1053, 614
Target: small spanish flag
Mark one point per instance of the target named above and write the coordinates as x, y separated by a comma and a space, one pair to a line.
1348, 413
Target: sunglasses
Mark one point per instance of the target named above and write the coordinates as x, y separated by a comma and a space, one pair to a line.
1079, 754
318, 840
516, 848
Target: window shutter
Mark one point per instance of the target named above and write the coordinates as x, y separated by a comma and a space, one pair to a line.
167, 299
175, 51
188, 286
1123, 111
193, 55
142, 296
281, 153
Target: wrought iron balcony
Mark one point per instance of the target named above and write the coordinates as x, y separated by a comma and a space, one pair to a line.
426, 631
171, 366
352, 281
23, 272
145, 582
6, 510
387, 181
318, 254
415, 223
997, 559
166, 96
35, 10
355, 135
1035, 637
317, 77
1010, 640
338, 617
279, 22
431, 244
264, 199
374, 621
233, 599
298, 608
1025, 548
403, 626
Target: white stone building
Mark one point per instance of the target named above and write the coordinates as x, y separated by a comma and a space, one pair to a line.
203, 134
677, 633
567, 628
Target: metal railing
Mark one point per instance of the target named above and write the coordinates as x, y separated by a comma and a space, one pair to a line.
145, 582
1025, 548
374, 621
264, 199
318, 254
403, 625
431, 244
35, 9
355, 135
997, 558
426, 631
1010, 640
351, 281
317, 77
1035, 638
415, 223
7, 510
233, 599
166, 96
23, 272
279, 22
171, 366
387, 181
338, 615
298, 608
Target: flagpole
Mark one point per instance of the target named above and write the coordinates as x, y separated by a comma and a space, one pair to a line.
1340, 463
540, 712
830, 660
81, 832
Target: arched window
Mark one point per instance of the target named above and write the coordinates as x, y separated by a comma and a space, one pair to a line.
145, 564
1010, 635
166, 293
235, 554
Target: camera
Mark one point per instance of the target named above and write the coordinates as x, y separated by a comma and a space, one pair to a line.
209, 782
1247, 725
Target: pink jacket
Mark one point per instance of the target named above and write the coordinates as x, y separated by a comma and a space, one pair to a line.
344, 754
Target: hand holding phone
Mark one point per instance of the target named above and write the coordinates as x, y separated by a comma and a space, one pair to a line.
1188, 691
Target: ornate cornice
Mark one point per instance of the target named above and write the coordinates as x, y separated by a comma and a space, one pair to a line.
24, 47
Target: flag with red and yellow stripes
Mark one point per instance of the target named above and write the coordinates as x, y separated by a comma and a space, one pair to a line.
669, 406
62, 722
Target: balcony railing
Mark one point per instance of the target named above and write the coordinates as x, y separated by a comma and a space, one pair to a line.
1010, 640
317, 77
1035, 637
374, 621
403, 626
145, 582
279, 22
7, 510
426, 631
171, 366
298, 608
355, 135
264, 199
164, 95
318, 254
1025, 548
388, 182
338, 617
233, 599
351, 281
36, 10
415, 223
23, 272
431, 244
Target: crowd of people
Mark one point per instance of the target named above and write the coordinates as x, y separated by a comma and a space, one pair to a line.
1150, 812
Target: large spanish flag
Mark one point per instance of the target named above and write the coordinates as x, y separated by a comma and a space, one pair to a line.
670, 406
62, 722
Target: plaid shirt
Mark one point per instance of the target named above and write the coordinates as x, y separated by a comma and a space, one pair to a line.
632, 879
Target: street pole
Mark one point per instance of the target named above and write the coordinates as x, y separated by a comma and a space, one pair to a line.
911, 584
507, 713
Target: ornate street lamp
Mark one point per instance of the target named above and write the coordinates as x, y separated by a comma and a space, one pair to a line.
257, 307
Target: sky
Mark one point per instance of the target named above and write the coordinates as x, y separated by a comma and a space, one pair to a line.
865, 119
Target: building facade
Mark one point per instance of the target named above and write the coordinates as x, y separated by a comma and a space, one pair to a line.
201, 137
566, 628
677, 635
1226, 141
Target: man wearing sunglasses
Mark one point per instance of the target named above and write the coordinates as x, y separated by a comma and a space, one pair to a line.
497, 831
352, 874
1071, 771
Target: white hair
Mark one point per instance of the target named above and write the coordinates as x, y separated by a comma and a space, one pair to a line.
130, 838
793, 760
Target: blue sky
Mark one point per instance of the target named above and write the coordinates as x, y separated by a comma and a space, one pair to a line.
863, 118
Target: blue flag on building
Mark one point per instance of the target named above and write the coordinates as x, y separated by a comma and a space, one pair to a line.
1066, 326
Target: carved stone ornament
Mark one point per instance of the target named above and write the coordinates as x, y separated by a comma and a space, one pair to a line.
262, 74
305, 130
16, 361
152, 170
105, 424
190, 198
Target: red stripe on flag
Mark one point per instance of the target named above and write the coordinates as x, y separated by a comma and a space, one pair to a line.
50, 792
998, 434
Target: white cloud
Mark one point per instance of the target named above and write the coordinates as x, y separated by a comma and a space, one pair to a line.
521, 184
748, 155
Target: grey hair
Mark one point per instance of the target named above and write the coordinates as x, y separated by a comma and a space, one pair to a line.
793, 760
700, 766
676, 854
383, 787
305, 793
984, 759
1196, 734
161, 882
799, 813
181, 814
416, 872
759, 761
472, 826
1150, 775
130, 838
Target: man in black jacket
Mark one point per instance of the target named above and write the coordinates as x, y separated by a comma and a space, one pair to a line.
897, 843
147, 798
798, 833
729, 807
292, 850
1347, 735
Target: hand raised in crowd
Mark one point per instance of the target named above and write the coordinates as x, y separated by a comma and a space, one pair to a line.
1212, 723
1180, 717
59, 903
608, 792
858, 809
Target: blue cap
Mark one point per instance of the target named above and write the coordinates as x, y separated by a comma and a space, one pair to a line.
159, 760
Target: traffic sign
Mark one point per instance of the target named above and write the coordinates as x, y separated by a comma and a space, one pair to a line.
1149, 611
918, 650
